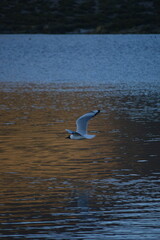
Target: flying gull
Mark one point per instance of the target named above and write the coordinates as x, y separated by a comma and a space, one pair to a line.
82, 123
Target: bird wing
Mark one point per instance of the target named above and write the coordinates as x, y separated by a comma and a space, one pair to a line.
70, 131
82, 122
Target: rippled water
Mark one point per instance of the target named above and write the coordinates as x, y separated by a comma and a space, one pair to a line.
56, 188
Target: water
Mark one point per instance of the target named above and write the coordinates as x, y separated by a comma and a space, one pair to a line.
81, 58
55, 188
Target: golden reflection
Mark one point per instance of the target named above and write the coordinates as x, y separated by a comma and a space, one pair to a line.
46, 178
33, 137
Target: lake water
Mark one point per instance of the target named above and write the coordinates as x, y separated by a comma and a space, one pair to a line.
55, 188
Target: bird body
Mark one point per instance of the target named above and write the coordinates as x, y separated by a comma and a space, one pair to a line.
82, 124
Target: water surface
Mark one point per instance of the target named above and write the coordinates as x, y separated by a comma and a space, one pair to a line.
55, 188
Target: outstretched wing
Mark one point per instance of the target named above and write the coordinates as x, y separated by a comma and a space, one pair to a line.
70, 131
82, 122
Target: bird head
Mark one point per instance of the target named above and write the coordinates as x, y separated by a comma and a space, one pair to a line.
69, 137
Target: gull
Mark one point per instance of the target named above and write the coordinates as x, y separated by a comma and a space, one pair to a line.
82, 123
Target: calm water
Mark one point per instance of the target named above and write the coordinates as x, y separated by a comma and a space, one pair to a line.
55, 188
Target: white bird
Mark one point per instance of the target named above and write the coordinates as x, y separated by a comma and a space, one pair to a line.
82, 123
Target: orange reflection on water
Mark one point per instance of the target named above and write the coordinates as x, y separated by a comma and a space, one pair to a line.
33, 137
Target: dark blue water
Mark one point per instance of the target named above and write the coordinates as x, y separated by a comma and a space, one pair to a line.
83, 58
55, 188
